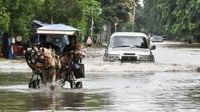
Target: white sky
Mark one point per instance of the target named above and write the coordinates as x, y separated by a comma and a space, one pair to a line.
141, 2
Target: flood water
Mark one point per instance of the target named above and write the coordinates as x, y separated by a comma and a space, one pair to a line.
169, 85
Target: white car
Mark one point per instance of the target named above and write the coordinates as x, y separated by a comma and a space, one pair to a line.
129, 47
157, 39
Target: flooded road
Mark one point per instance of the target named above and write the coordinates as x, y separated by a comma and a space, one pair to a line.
171, 84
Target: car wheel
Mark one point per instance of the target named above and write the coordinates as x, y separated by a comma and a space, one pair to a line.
105, 58
34, 83
79, 84
72, 84
153, 59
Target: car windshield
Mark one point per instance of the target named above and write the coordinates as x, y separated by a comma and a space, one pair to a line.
128, 41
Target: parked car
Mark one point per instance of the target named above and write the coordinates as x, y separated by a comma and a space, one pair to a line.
157, 39
129, 47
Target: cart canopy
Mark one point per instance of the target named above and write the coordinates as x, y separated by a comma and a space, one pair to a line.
57, 29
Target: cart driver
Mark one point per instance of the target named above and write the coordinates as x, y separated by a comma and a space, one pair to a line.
71, 45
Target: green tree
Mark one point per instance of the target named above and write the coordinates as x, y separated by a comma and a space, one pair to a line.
173, 17
17, 16
21, 13
117, 11
72, 12
4, 18
187, 14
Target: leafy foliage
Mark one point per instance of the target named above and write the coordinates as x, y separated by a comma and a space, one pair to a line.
117, 11
4, 18
173, 17
18, 16
169, 17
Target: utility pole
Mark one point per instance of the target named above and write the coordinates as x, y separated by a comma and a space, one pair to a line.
135, 5
116, 26
92, 25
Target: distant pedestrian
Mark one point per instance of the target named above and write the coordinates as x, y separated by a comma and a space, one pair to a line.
89, 42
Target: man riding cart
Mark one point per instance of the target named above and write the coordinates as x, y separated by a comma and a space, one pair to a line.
55, 56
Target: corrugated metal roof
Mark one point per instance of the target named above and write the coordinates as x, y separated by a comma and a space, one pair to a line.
60, 27
57, 29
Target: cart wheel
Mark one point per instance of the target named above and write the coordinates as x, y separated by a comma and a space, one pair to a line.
72, 84
34, 83
62, 83
79, 84
38, 83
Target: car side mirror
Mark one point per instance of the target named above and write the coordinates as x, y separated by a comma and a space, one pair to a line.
153, 47
105, 45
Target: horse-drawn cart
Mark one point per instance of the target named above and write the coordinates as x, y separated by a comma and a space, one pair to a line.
55, 56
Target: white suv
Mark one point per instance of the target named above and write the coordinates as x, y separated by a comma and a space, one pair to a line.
129, 47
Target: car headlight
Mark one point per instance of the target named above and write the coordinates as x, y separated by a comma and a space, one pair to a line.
113, 57
146, 58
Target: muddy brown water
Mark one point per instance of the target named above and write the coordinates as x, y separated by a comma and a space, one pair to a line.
121, 91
